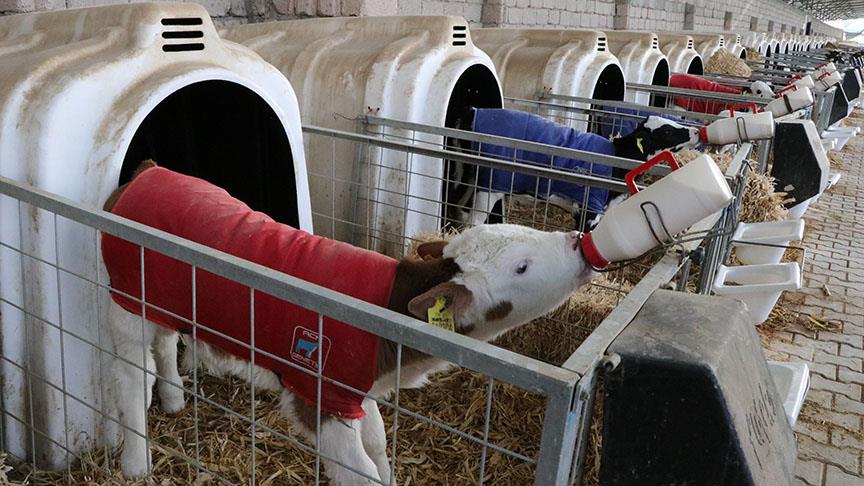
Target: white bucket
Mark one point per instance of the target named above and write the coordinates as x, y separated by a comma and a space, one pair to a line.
778, 233
797, 211
790, 102
682, 198
792, 380
740, 126
758, 286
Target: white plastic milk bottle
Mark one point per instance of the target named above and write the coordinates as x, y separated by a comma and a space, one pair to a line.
741, 126
679, 200
790, 101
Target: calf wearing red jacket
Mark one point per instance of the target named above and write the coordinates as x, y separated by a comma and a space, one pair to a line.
490, 278
688, 81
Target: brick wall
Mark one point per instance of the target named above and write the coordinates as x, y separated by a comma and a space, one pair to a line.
661, 15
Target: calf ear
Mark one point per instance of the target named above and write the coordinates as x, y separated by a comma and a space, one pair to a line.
431, 249
458, 299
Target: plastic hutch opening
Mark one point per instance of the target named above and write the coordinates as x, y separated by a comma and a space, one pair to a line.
226, 134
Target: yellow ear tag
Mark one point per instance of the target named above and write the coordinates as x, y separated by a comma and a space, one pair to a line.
639, 144
440, 316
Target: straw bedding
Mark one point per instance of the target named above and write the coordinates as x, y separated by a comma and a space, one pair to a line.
425, 454
724, 62
754, 55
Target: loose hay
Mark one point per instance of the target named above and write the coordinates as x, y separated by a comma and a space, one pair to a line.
426, 454
539, 214
724, 62
834, 159
754, 55
761, 202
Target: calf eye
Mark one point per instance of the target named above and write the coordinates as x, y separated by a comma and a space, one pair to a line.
521, 268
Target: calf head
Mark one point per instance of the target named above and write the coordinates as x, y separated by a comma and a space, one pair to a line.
760, 89
654, 135
503, 276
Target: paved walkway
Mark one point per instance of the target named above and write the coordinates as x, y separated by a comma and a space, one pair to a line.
830, 429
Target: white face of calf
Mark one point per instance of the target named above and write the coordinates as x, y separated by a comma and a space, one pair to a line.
669, 135
509, 275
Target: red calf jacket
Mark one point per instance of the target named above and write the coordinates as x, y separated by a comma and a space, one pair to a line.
201, 212
688, 81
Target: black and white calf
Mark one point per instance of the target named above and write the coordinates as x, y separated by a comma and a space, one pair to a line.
653, 135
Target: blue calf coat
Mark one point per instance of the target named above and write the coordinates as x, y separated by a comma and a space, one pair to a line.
533, 128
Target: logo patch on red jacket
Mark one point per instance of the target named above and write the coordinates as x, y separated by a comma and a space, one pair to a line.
304, 348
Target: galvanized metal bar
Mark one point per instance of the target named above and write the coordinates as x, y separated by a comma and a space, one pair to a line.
689, 117
536, 170
585, 396
633, 106
695, 93
552, 150
491, 360
558, 439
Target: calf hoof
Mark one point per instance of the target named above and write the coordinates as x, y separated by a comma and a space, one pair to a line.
173, 406
171, 399
133, 466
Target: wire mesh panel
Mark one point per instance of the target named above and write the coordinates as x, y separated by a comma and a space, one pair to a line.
511, 412
233, 429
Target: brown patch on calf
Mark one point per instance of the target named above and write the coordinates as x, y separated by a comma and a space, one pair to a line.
431, 249
414, 277
112, 199
500, 311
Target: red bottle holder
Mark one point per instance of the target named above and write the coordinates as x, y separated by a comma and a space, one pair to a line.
665, 156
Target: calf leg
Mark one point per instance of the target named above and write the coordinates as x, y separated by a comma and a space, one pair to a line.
375, 438
132, 385
170, 384
483, 203
341, 443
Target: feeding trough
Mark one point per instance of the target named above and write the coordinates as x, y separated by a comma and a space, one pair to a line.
643, 63
760, 243
708, 44
792, 381
87, 95
531, 62
800, 165
852, 84
416, 69
725, 426
679, 50
758, 286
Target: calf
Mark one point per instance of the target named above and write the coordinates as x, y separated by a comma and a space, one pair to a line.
492, 278
689, 81
651, 136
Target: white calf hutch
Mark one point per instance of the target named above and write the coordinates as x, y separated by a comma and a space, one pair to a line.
683, 57
534, 62
734, 45
85, 95
416, 69
643, 62
708, 44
